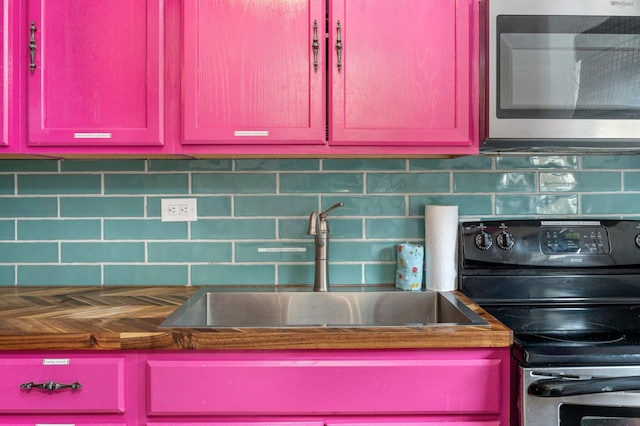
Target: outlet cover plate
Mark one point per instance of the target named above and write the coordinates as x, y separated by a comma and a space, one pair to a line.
178, 209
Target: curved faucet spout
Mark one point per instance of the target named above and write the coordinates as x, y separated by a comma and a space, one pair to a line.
330, 209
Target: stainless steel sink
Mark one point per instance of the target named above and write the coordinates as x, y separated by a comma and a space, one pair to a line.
210, 308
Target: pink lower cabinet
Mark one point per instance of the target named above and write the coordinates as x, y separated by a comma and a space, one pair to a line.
397, 387
61, 388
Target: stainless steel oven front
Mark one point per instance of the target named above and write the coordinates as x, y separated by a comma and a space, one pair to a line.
563, 70
575, 396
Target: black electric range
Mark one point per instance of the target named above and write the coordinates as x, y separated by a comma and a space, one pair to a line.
569, 290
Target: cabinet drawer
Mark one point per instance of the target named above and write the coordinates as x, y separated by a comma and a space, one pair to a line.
324, 386
247, 423
101, 380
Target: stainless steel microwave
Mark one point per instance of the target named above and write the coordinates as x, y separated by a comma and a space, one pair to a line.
562, 75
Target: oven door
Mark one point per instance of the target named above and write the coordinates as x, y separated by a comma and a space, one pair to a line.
563, 70
580, 396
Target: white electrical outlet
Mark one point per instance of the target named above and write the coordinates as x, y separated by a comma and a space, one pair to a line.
178, 209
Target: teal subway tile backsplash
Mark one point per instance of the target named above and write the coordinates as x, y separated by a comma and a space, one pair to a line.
406, 228
103, 252
271, 165
234, 229
39, 166
151, 229
60, 275
461, 163
276, 205
611, 204
151, 183
319, 183
373, 164
59, 184
102, 207
468, 205
537, 162
632, 181
234, 183
97, 222
239, 274
190, 166
7, 185
190, 251
562, 181
408, 182
7, 275
496, 182
17, 207
19, 252
103, 166
366, 205
53, 229
7, 229
149, 274
611, 162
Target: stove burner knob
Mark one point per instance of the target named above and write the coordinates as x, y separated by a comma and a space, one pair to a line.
483, 240
505, 240
638, 240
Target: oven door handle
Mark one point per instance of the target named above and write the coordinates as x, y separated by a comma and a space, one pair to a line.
558, 387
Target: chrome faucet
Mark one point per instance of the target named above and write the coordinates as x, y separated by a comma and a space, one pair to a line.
319, 226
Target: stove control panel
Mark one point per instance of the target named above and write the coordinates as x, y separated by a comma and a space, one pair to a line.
567, 243
578, 239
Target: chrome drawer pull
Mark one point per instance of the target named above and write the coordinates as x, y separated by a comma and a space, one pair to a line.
50, 386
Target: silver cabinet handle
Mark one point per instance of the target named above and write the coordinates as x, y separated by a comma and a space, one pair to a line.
315, 45
339, 45
50, 386
33, 46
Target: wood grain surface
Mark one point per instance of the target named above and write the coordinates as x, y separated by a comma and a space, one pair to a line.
119, 318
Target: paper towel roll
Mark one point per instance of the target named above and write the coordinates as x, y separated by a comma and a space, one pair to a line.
440, 247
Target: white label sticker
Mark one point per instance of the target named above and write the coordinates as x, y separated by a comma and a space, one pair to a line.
251, 133
282, 249
55, 424
92, 135
56, 361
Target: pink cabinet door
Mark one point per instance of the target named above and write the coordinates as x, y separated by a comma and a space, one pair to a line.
250, 72
97, 72
324, 385
101, 387
406, 74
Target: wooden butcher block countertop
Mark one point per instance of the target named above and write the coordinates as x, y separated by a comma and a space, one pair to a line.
126, 318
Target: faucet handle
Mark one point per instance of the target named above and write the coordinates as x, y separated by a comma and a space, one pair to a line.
327, 211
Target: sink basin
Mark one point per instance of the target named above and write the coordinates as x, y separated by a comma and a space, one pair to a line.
210, 308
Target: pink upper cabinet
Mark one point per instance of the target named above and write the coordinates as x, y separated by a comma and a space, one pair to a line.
401, 77
95, 74
405, 75
251, 72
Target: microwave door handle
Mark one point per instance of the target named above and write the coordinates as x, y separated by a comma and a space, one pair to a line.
559, 387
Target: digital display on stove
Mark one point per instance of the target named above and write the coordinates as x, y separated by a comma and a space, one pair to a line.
581, 240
